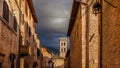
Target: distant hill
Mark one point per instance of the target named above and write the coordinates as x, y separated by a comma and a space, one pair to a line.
52, 49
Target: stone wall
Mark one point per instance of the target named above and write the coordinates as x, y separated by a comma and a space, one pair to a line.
9, 43
75, 44
110, 49
9, 38
92, 37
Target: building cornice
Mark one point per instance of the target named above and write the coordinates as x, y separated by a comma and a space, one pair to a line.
30, 3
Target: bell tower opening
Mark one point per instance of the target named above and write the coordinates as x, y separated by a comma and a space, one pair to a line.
63, 46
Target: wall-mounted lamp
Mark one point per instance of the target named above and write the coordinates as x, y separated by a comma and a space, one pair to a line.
1, 57
97, 7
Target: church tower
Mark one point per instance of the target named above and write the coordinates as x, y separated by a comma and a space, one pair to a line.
63, 46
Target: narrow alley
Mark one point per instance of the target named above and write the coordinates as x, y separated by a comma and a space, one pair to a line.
59, 34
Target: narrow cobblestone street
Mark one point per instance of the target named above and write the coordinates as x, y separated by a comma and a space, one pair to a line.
59, 33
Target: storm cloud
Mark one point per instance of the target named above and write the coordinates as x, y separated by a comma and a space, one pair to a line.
53, 20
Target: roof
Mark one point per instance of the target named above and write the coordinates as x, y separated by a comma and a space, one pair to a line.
30, 3
73, 16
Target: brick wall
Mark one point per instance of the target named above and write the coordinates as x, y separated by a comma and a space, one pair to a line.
92, 37
8, 45
111, 34
8, 37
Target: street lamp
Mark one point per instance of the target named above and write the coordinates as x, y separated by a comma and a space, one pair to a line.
97, 8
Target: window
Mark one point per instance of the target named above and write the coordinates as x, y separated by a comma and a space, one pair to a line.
27, 28
64, 49
5, 11
15, 24
64, 44
29, 31
28, 43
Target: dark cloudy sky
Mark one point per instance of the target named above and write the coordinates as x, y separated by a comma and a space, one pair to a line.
53, 17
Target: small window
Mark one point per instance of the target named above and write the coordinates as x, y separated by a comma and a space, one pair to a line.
5, 11
29, 31
15, 24
28, 43
64, 49
64, 44
27, 27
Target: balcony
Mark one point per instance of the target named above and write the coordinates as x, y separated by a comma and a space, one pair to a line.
25, 50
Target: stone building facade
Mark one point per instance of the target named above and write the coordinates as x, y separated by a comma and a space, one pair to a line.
19, 44
75, 37
110, 34
58, 62
28, 42
9, 33
94, 38
47, 58
90, 35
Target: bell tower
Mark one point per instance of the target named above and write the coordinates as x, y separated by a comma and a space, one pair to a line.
63, 46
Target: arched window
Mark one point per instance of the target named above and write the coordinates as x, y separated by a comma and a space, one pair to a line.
64, 44
5, 11
64, 49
